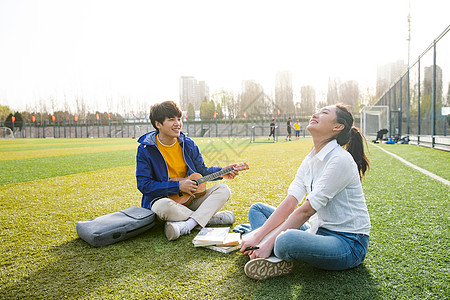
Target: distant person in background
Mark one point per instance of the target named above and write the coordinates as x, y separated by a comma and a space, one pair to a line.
272, 129
380, 134
289, 127
328, 188
297, 130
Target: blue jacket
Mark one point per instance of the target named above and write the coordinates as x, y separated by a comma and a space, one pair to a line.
152, 174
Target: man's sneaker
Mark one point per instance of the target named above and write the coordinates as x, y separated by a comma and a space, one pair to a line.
222, 218
262, 268
174, 230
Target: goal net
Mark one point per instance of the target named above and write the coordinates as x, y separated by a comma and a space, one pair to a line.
264, 134
373, 119
6, 133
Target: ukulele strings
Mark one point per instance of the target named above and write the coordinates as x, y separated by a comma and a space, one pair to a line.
214, 175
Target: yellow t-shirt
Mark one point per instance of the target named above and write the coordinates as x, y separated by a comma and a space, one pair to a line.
297, 126
174, 159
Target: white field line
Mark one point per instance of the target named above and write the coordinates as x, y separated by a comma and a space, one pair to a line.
444, 181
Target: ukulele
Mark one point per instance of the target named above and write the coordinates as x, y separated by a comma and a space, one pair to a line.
185, 199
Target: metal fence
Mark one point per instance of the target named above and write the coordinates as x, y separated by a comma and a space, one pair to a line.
417, 99
123, 129
80, 129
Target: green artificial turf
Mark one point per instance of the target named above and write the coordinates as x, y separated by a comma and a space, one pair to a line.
42, 257
25, 145
69, 162
435, 161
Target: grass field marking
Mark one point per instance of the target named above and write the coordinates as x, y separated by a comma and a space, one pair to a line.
52, 152
434, 176
44, 145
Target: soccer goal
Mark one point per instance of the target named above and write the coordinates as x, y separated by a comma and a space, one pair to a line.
373, 119
6, 133
264, 134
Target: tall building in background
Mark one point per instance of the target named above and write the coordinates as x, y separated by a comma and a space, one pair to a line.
187, 91
308, 100
203, 91
427, 90
387, 75
252, 99
192, 92
284, 94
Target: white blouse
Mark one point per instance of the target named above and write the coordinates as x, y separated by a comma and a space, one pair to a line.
330, 181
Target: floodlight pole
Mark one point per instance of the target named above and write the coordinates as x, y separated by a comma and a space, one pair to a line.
408, 91
433, 104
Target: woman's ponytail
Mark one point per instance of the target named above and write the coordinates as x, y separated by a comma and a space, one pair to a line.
351, 138
356, 148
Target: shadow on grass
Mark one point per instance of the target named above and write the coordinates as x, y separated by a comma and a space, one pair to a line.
76, 269
307, 282
150, 267
146, 267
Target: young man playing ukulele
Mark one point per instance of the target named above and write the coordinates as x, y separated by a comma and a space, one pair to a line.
165, 158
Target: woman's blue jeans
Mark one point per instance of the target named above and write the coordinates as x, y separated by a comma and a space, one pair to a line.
328, 250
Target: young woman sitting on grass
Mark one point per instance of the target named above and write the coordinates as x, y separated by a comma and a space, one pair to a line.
328, 182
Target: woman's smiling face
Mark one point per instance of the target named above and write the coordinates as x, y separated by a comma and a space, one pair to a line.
324, 122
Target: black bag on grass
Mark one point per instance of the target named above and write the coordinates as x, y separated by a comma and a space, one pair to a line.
116, 227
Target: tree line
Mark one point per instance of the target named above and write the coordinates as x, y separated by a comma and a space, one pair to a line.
17, 119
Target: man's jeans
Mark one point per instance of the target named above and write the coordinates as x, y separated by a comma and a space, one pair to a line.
328, 250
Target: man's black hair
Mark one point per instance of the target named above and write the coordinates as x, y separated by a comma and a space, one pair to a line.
167, 109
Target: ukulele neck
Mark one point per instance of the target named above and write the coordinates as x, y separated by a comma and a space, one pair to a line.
214, 175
